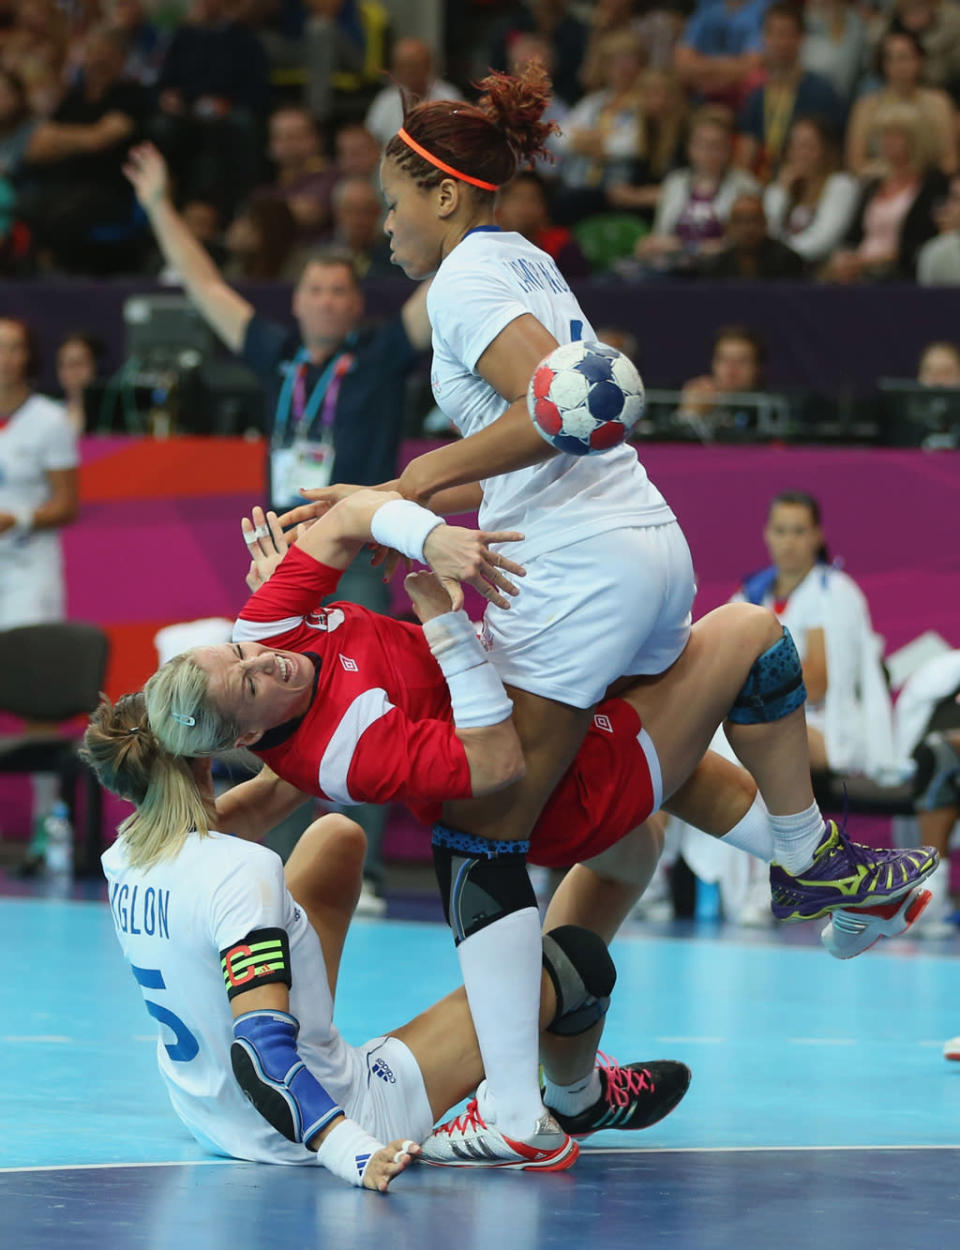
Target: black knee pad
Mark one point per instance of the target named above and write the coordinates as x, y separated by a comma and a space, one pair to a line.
583, 975
481, 880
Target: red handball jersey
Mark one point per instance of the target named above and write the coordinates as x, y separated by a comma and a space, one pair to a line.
380, 727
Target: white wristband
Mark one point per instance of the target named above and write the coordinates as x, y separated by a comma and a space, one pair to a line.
404, 525
477, 696
346, 1151
23, 523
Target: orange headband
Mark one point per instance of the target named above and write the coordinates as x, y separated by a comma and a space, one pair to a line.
447, 169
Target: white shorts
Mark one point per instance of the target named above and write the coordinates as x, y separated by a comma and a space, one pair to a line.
613, 605
31, 591
390, 1100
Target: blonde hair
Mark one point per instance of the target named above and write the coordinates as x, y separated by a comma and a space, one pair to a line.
907, 118
129, 761
181, 713
601, 50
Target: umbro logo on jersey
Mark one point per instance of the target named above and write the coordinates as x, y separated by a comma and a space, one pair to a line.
603, 722
383, 1071
348, 664
327, 621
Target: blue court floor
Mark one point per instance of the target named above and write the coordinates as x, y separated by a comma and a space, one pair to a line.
821, 1112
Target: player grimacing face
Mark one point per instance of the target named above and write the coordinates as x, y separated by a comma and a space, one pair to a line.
259, 687
413, 225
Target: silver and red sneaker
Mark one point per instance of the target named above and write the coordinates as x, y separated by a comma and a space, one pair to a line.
852, 930
470, 1141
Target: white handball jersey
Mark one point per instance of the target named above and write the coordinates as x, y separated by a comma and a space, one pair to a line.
487, 281
173, 920
38, 438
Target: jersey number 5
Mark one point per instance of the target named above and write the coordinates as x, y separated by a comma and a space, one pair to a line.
186, 1046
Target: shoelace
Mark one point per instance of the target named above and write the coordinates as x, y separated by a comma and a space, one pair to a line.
859, 853
623, 1083
470, 1119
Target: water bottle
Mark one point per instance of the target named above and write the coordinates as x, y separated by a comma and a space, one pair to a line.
59, 842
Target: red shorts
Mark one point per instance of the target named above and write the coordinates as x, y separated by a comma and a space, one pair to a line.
608, 790
612, 786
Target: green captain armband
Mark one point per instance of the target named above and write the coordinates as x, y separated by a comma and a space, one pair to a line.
260, 958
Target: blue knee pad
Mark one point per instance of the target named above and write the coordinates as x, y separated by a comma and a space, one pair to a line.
774, 687
481, 880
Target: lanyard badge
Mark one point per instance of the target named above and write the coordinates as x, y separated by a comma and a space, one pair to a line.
308, 462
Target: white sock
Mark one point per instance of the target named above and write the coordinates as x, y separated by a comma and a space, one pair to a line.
795, 838
572, 1099
501, 967
752, 832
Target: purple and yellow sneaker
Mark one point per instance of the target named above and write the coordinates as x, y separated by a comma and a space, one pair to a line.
847, 874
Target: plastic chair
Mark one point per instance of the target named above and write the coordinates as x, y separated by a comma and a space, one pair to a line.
52, 673
608, 237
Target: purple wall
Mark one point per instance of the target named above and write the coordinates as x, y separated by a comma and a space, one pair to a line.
830, 340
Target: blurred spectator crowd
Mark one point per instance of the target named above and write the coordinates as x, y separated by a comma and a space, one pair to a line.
698, 139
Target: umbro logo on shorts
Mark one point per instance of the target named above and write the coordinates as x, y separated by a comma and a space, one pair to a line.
348, 664
383, 1071
603, 722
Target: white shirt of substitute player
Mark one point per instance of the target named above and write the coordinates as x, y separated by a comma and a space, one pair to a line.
855, 717
38, 438
173, 920
489, 279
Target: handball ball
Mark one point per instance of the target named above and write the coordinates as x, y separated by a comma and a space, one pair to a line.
585, 398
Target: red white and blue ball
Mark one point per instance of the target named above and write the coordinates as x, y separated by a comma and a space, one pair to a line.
585, 398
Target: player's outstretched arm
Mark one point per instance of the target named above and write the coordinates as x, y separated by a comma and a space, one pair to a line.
455, 554
219, 304
467, 498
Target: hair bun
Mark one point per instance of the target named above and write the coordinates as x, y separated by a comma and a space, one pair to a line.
515, 103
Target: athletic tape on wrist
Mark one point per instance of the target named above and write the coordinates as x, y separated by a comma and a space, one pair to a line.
404, 525
346, 1151
477, 695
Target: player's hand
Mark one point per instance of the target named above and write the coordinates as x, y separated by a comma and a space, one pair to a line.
460, 555
267, 545
321, 501
147, 171
388, 1163
428, 595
